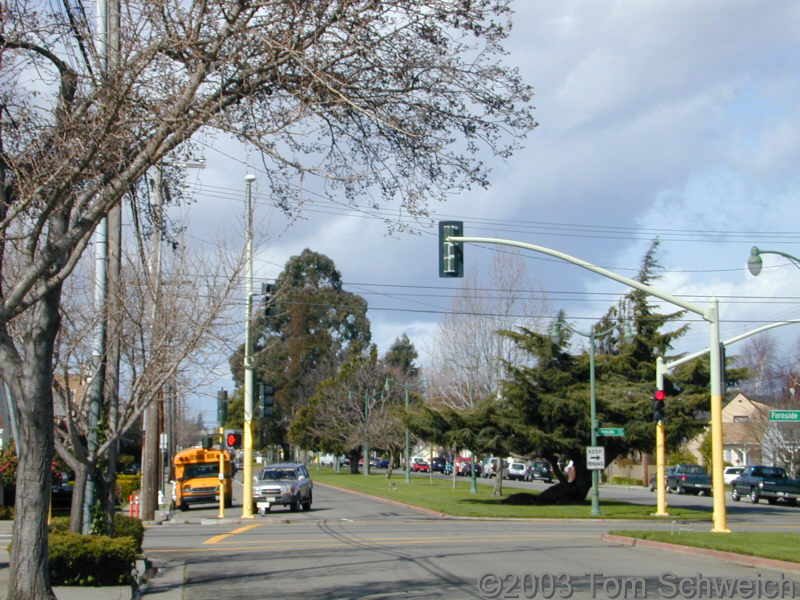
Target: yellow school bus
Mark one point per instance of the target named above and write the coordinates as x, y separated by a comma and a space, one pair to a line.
197, 477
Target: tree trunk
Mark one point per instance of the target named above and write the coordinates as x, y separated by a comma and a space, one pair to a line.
391, 464
78, 496
498, 480
354, 456
568, 492
108, 489
31, 380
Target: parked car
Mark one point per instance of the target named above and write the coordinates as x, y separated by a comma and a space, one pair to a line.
772, 483
518, 471
286, 484
689, 479
667, 471
490, 466
438, 464
541, 469
419, 464
731, 473
381, 463
463, 465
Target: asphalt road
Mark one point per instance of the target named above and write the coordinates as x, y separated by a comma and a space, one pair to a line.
352, 546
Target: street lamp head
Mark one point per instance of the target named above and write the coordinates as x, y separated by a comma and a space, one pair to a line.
249, 178
754, 263
628, 334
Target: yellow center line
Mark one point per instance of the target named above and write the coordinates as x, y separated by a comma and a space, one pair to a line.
364, 543
218, 538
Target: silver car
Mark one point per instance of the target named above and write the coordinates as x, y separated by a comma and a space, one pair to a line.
288, 484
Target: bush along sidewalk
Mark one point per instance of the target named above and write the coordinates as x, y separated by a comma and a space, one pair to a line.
95, 560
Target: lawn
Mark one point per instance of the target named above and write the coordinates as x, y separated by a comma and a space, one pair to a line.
438, 494
778, 546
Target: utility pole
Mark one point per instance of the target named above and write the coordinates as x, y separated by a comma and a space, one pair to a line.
96, 386
150, 466
247, 472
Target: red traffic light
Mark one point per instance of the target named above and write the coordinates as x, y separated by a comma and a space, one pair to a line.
659, 395
233, 439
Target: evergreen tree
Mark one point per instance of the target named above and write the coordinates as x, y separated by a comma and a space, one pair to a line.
316, 326
547, 405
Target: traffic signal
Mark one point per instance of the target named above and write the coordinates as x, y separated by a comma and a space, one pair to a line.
266, 399
233, 439
451, 254
267, 300
658, 405
222, 407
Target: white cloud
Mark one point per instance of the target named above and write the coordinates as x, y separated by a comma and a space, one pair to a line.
677, 119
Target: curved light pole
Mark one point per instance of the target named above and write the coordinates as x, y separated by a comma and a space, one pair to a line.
710, 314
405, 387
555, 337
754, 263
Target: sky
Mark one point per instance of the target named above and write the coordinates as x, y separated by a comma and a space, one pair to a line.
678, 120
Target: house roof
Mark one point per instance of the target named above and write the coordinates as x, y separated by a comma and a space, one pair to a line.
756, 399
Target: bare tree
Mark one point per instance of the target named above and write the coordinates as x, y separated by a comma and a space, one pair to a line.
160, 356
383, 100
468, 353
760, 356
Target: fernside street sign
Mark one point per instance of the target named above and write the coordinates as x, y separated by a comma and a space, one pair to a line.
611, 431
784, 415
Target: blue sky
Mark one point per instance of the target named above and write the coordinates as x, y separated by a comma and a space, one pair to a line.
678, 119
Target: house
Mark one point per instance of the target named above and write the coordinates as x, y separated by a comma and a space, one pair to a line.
745, 423
748, 436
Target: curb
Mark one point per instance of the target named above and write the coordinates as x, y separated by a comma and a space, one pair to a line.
741, 559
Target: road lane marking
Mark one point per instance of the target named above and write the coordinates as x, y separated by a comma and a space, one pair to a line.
364, 543
218, 538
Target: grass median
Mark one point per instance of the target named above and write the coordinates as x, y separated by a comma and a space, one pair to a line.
777, 546
438, 494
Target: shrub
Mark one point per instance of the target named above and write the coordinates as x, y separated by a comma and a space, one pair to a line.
6, 513
620, 480
125, 526
91, 560
128, 483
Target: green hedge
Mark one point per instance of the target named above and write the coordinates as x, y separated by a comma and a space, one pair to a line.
620, 480
91, 560
128, 484
125, 526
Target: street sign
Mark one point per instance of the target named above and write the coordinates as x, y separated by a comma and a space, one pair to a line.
784, 415
595, 458
611, 431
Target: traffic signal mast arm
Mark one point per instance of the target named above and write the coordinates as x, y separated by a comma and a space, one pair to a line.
710, 314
